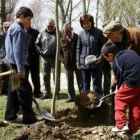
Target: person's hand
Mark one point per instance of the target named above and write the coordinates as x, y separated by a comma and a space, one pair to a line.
78, 67
113, 84
21, 74
98, 60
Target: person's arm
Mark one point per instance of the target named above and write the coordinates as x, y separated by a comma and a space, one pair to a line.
78, 51
38, 44
18, 52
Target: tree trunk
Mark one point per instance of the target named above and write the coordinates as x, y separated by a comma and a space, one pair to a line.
57, 62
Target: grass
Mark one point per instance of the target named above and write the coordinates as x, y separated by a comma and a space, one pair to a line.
13, 130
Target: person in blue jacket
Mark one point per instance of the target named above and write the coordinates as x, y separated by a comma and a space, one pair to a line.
16, 43
90, 42
126, 68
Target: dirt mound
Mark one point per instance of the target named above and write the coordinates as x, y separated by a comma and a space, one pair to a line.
69, 126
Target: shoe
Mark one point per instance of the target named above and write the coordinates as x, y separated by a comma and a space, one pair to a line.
31, 124
132, 137
124, 128
46, 96
58, 96
38, 96
17, 120
70, 100
122, 133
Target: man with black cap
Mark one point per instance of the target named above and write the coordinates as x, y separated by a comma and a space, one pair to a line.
126, 68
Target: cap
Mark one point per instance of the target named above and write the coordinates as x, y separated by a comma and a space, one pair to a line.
112, 27
7, 24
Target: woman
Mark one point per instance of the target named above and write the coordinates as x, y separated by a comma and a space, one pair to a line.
90, 41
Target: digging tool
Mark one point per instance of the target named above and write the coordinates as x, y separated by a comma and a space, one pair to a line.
15, 79
103, 98
43, 113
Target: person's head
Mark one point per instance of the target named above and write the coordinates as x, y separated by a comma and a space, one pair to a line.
86, 21
50, 24
24, 16
113, 31
67, 29
109, 50
6, 25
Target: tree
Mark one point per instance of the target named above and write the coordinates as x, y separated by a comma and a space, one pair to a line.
57, 62
6, 10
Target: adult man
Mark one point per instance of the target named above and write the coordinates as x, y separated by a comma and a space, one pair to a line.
16, 43
124, 38
33, 60
68, 58
46, 47
126, 68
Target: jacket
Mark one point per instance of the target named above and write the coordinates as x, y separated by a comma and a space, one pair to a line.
46, 44
68, 51
89, 43
126, 67
33, 54
16, 45
2, 45
130, 40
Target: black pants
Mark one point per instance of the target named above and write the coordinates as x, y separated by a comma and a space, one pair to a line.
70, 82
34, 71
106, 69
20, 97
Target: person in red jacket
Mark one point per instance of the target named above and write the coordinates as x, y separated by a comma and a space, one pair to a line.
126, 68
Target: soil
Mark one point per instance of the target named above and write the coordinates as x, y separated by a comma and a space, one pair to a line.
70, 125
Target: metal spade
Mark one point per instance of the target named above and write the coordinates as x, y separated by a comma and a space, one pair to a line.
43, 113
103, 98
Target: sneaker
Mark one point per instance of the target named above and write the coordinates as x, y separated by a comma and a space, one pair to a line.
17, 120
122, 133
46, 96
31, 124
124, 128
132, 137
70, 100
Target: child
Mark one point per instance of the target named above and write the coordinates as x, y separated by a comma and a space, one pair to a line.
16, 45
126, 67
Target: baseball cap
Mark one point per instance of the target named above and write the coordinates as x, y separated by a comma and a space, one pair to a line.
112, 27
7, 24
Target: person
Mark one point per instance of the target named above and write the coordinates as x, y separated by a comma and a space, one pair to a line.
33, 60
16, 43
126, 66
46, 47
4, 89
90, 41
6, 25
68, 58
124, 38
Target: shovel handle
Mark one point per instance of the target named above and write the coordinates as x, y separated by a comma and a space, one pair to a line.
10, 72
106, 96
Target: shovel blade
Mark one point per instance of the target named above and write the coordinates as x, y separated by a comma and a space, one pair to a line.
44, 114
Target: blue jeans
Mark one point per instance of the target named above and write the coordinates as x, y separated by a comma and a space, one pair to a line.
96, 75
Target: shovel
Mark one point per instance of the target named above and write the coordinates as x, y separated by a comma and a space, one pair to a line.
103, 98
44, 114
15, 79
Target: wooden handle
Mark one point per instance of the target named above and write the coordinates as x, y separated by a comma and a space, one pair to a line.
10, 72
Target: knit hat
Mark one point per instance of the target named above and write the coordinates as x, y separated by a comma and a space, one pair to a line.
112, 27
7, 24
109, 48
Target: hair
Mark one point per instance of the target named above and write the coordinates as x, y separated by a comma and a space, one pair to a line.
66, 25
109, 47
49, 20
25, 11
86, 17
105, 23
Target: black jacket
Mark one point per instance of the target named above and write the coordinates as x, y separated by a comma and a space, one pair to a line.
89, 43
68, 51
46, 43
